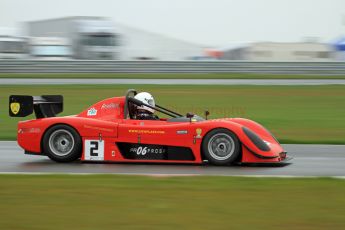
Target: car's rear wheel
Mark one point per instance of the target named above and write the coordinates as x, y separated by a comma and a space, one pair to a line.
221, 147
62, 143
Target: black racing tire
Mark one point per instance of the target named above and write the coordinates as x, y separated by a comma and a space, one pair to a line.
62, 143
221, 147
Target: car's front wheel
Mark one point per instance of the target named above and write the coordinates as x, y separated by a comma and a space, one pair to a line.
221, 147
62, 143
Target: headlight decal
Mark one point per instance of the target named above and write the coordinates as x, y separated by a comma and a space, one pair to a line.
257, 141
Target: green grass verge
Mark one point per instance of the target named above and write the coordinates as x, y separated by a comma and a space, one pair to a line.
295, 114
169, 76
134, 202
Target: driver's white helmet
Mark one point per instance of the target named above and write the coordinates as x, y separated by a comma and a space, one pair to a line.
147, 99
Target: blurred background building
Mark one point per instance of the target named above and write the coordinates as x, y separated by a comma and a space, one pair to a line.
99, 38
50, 48
12, 46
137, 44
273, 51
89, 37
339, 46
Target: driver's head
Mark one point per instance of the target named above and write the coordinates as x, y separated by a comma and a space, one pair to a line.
147, 99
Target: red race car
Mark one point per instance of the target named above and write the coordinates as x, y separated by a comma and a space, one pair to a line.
110, 131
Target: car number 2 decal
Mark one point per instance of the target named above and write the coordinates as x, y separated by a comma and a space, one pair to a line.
94, 150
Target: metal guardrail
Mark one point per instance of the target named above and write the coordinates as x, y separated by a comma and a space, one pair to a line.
81, 66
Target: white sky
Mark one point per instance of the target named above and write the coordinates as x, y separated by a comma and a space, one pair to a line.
210, 22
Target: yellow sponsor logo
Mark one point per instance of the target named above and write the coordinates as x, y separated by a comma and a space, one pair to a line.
15, 107
146, 131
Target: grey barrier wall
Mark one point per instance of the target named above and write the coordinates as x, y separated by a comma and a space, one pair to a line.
77, 66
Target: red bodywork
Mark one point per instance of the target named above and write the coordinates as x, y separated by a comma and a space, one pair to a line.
104, 122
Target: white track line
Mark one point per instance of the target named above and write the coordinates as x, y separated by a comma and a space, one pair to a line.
167, 175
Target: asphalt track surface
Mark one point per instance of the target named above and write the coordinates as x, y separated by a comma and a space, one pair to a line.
40, 81
308, 160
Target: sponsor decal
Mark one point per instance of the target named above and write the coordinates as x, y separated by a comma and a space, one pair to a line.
15, 107
181, 131
110, 106
154, 152
198, 132
92, 112
141, 131
143, 150
29, 130
98, 128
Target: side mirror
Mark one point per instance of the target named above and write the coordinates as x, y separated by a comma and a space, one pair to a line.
190, 115
206, 114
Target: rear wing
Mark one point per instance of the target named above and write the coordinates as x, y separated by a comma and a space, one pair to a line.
43, 106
